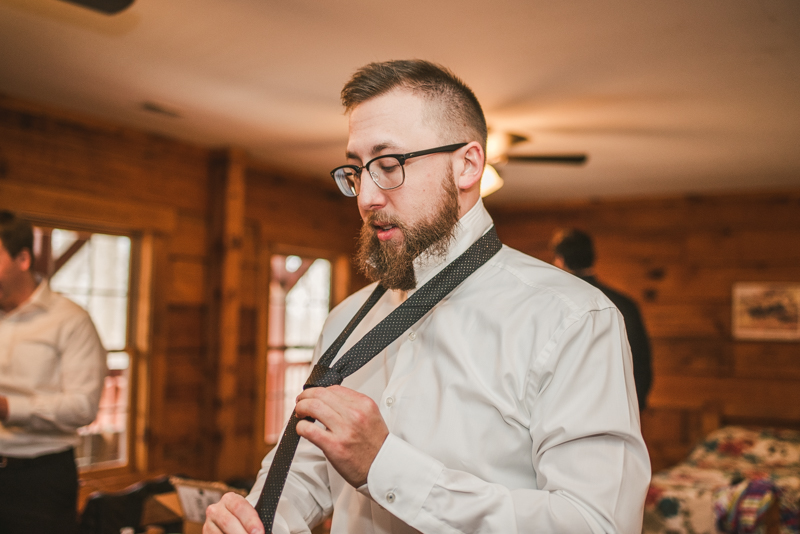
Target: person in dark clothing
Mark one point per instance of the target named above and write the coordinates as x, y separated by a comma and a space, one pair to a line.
574, 252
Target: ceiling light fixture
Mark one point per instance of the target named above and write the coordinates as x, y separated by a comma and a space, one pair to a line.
490, 181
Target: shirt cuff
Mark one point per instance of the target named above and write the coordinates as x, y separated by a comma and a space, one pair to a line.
401, 478
288, 519
19, 409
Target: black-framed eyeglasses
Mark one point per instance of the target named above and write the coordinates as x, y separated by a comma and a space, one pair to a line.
387, 171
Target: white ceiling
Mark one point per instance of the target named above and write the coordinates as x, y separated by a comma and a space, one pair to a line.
665, 97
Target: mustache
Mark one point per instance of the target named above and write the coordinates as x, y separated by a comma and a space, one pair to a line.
374, 217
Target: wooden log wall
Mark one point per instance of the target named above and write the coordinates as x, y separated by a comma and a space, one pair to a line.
207, 221
679, 257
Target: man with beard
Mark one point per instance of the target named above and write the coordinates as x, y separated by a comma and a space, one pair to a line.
507, 408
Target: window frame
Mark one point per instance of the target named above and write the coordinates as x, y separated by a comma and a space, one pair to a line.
340, 289
135, 283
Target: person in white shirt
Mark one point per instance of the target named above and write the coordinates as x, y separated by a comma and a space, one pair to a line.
52, 371
509, 408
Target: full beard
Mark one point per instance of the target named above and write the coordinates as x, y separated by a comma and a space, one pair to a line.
392, 264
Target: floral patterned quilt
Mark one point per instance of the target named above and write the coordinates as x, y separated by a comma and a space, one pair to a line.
727, 484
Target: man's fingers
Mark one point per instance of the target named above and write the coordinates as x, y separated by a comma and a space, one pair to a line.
340, 398
232, 515
344, 394
313, 433
330, 392
323, 408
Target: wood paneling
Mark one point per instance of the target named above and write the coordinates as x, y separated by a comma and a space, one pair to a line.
66, 206
679, 257
190, 236
187, 281
228, 231
55, 149
310, 213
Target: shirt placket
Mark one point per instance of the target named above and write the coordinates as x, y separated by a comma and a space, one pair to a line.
391, 400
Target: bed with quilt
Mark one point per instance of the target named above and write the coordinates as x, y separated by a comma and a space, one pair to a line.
737, 480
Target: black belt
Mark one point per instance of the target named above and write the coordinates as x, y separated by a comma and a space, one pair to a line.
13, 462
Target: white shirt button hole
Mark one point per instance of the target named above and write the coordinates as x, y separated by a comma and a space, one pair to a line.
412, 336
390, 497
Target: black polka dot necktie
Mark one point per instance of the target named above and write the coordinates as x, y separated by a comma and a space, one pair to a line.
377, 339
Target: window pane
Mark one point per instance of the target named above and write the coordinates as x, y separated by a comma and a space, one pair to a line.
62, 240
295, 377
298, 355
96, 277
307, 305
104, 441
299, 305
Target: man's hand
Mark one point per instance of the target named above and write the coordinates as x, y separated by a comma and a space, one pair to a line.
354, 429
232, 515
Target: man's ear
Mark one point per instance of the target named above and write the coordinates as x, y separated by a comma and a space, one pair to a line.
24, 259
471, 168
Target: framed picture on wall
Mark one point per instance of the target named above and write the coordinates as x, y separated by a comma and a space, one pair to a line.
766, 310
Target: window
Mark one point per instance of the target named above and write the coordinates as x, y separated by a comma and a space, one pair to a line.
93, 270
300, 295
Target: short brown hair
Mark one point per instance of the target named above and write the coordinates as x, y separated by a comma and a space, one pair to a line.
575, 247
456, 110
15, 233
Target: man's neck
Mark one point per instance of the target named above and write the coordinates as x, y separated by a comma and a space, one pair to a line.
470, 227
27, 286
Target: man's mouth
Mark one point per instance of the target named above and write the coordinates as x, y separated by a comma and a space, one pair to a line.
385, 231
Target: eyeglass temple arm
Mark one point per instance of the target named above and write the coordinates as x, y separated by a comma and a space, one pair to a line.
446, 148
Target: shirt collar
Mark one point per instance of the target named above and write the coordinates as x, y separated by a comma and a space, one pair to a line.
470, 227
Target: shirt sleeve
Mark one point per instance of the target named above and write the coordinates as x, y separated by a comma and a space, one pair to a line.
592, 468
306, 498
83, 369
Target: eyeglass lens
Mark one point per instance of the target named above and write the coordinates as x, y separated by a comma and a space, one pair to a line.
386, 172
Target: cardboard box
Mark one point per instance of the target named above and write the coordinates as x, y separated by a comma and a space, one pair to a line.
161, 509
187, 503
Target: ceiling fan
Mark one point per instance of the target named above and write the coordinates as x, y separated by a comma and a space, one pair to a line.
499, 143
497, 153
109, 7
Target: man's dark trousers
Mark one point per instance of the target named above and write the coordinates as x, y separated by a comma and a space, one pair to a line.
39, 495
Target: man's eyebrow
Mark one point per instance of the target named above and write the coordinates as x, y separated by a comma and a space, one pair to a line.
376, 149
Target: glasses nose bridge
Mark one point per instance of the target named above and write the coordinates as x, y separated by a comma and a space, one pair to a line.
373, 175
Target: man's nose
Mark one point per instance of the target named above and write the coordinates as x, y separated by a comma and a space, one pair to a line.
370, 197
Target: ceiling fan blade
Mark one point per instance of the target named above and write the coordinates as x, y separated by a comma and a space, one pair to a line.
566, 159
109, 7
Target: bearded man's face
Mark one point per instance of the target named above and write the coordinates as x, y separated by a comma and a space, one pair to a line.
392, 261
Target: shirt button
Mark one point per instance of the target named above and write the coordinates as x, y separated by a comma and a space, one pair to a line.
412, 336
389, 401
390, 497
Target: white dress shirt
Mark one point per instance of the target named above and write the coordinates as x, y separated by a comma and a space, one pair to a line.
511, 408
52, 370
